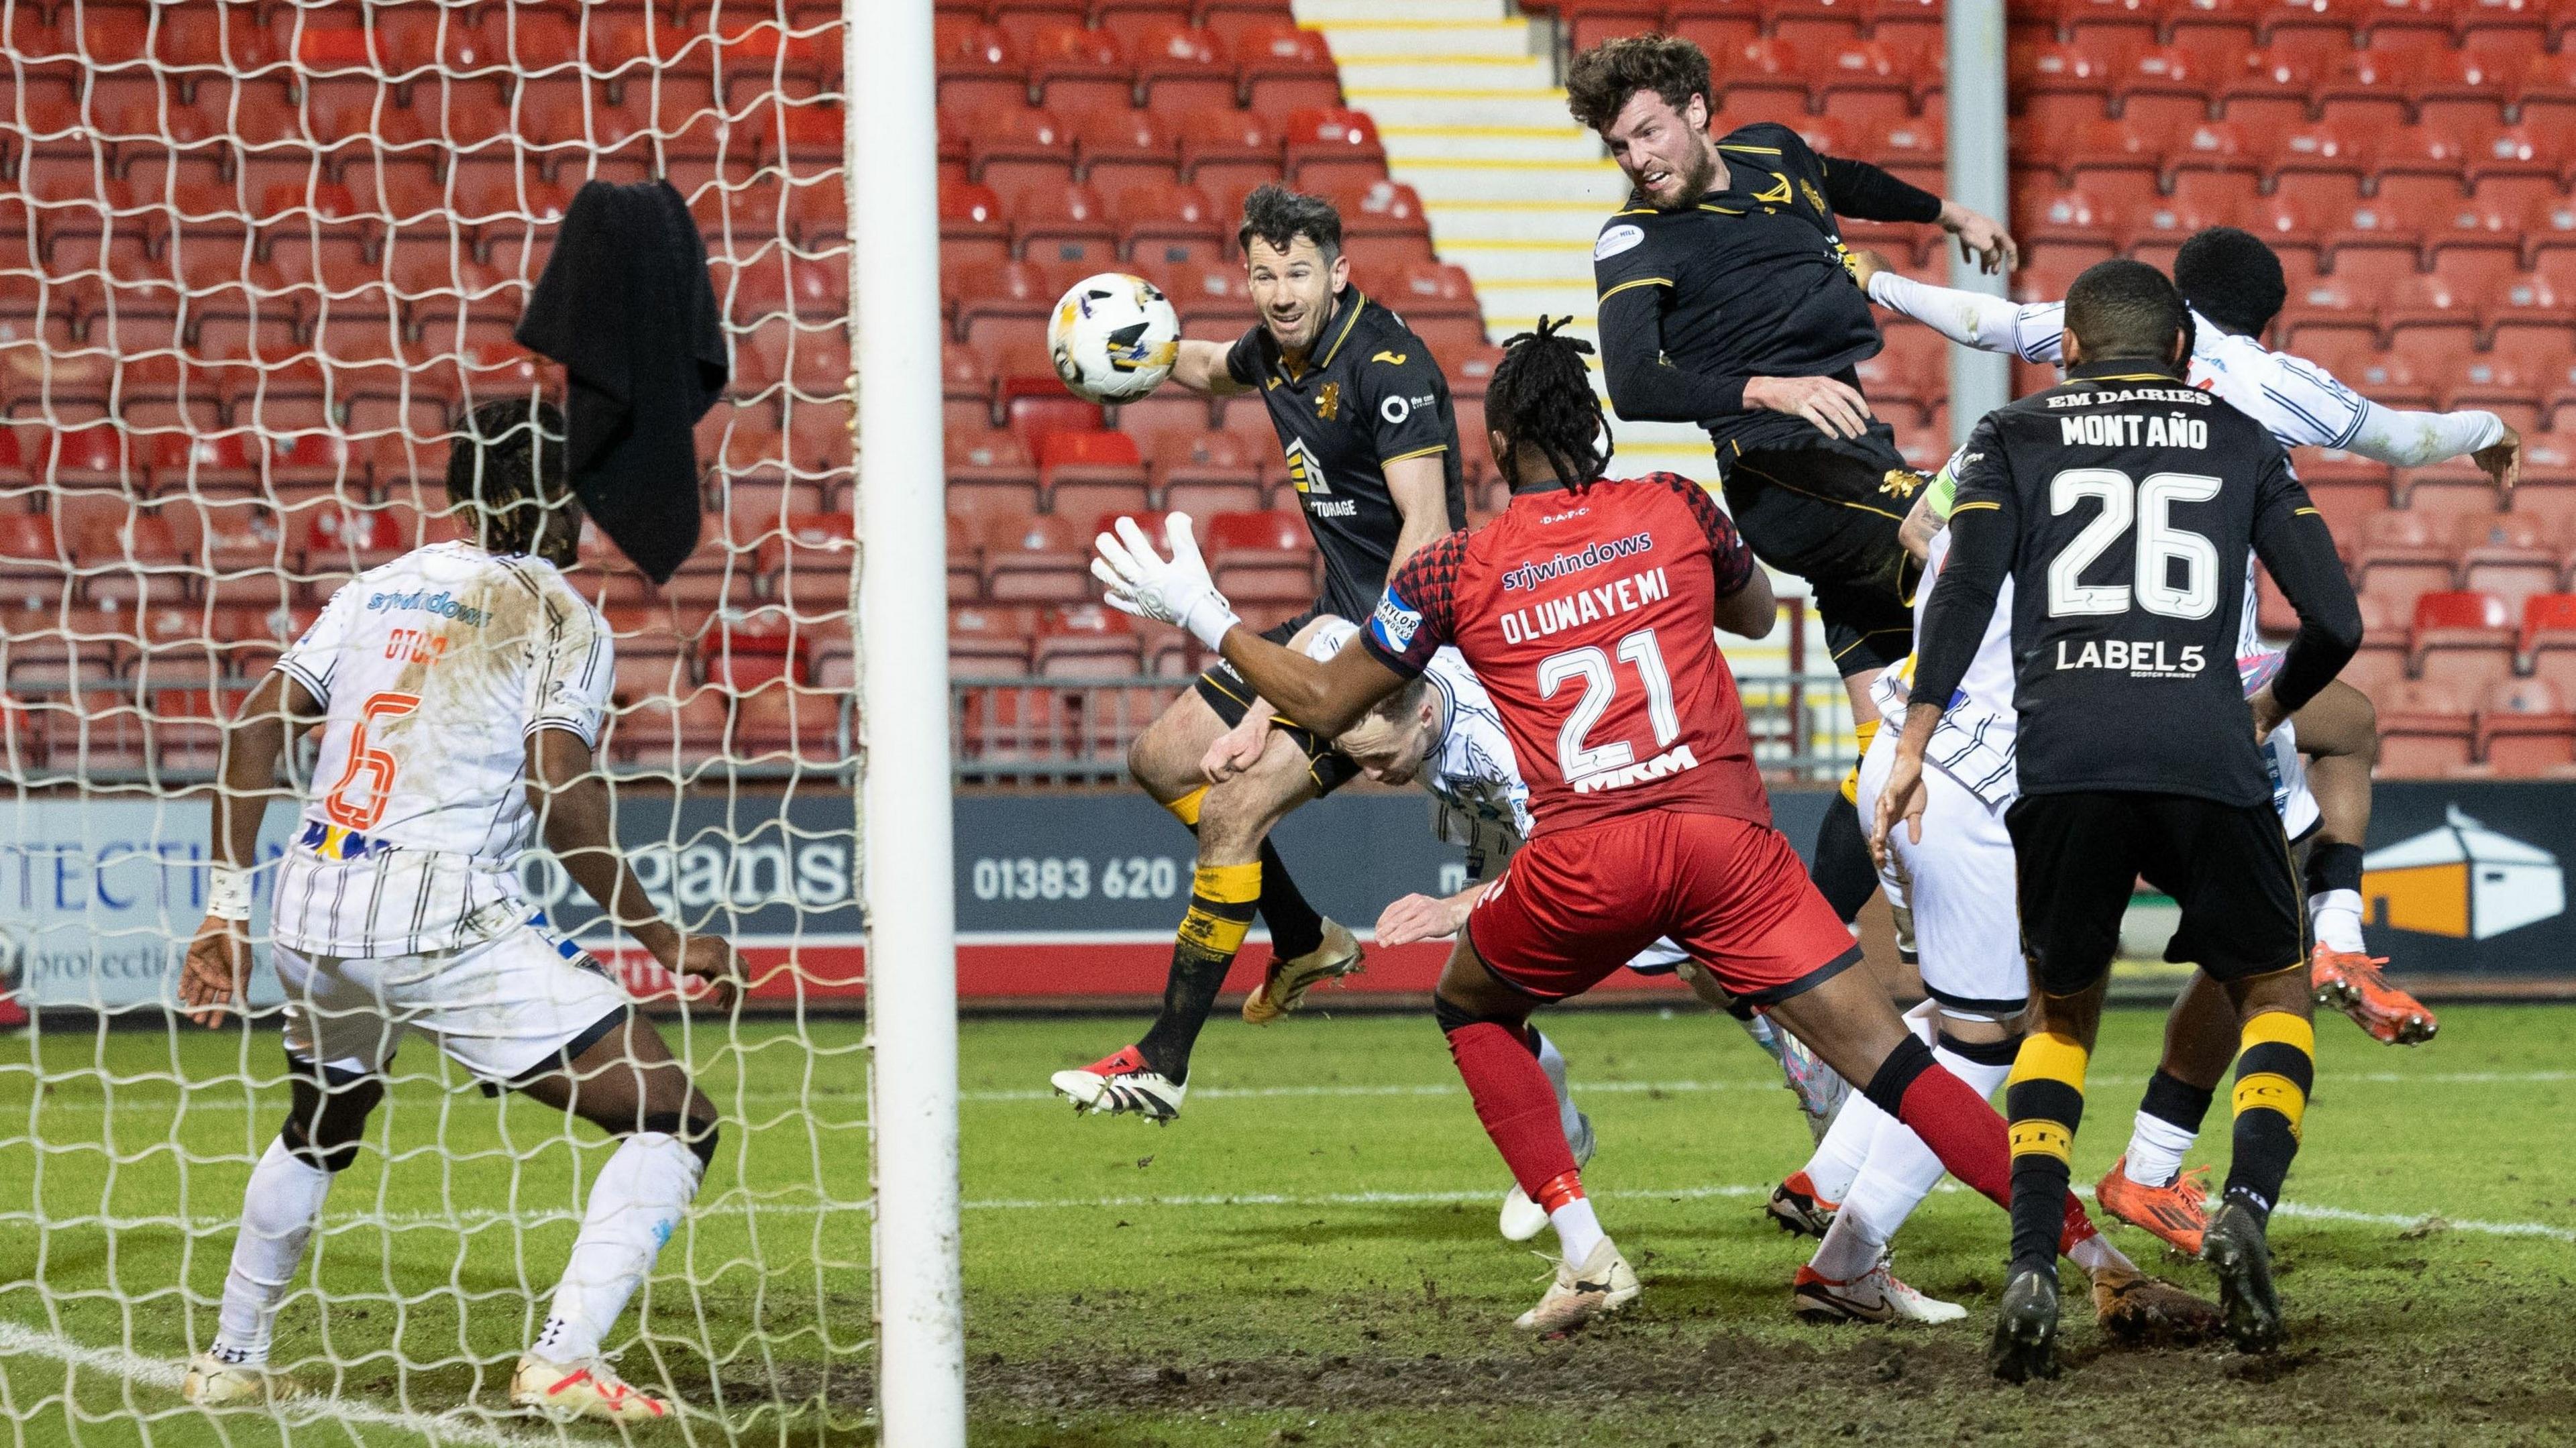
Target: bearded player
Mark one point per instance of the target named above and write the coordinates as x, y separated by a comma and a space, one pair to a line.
1371, 441
460, 691
1587, 611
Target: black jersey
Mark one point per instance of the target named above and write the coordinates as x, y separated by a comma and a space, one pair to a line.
1371, 395
2123, 506
1751, 282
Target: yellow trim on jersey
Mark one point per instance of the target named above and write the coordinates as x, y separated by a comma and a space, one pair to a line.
1638, 282
2303, 513
1634, 211
1819, 497
1972, 507
1359, 304
1420, 452
1720, 210
1739, 146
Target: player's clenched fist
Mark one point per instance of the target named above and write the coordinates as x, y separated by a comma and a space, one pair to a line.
216, 969
711, 958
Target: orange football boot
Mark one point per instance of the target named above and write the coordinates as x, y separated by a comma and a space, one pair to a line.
2178, 1213
2351, 983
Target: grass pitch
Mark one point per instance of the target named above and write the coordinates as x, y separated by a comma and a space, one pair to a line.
1308, 1256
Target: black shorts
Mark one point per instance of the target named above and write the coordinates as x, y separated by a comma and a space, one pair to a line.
1229, 695
1828, 511
2079, 856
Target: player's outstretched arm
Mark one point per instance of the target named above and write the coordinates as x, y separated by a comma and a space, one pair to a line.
1428, 917
1201, 368
2029, 331
218, 960
570, 797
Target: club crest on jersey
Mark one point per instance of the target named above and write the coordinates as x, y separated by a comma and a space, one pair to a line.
1328, 401
332, 842
1395, 623
1901, 483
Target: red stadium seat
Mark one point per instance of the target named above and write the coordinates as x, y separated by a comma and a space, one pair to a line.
1168, 224
1205, 474
1074, 69
1019, 146
1041, 558
1821, 24
2510, 555
2525, 728
1331, 149
1121, 148
972, 224
1223, 148
1083, 474
1213, 297
989, 640
1867, 80
2425, 728
1086, 641
2403, 553
2462, 638
2369, 85
1180, 68
1763, 74
990, 473
1261, 557
981, 71
1064, 225
1282, 68
2073, 217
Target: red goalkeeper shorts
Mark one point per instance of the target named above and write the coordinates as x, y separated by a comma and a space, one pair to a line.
1576, 904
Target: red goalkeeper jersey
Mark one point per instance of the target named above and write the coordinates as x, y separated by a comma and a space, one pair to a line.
1588, 616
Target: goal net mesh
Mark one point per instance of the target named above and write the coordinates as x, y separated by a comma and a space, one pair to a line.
256, 262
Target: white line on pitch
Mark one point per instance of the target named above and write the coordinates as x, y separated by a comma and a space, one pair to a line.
453, 1427
164, 1104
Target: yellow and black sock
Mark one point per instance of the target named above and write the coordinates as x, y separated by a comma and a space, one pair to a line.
1842, 870
2044, 1100
1221, 907
1296, 927
2274, 1073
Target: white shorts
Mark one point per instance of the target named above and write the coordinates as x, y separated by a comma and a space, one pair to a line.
501, 1009
1960, 884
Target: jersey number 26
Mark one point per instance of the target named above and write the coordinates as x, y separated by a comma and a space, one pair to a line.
2161, 546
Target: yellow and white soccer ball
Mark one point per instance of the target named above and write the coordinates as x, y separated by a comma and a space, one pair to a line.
1114, 338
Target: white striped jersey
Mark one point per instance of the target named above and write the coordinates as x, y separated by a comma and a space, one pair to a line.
433, 671
1974, 741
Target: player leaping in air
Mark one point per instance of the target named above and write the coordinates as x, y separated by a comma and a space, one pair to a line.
2234, 285
1371, 441
1587, 611
461, 691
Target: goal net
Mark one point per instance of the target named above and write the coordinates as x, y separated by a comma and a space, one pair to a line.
256, 262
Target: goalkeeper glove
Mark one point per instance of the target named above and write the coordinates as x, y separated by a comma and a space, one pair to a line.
1141, 582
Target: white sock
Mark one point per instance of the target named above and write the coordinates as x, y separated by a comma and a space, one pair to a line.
639, 1197
1845, 1147
2155, 1150
279, 1208
2337, 917
1552, 1061
1897, 1174
2096, 1252
1577, 1230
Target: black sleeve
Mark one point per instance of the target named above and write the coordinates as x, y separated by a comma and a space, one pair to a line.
1728, 554
1243, 359
1984, 531
2292, 539
1643, 386
1863, 192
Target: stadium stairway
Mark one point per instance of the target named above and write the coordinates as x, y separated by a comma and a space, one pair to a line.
1466, 102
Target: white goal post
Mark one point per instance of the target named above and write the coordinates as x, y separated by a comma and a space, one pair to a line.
905, 805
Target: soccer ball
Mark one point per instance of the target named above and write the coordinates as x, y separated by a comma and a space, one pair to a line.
1113, 338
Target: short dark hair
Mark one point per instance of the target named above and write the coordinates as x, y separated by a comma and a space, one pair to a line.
2231, 277
1279, 216
2125, 309
506, 471
1395, 708
1599, 83
1541, 396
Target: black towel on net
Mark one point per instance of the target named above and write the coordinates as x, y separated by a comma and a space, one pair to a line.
626, 307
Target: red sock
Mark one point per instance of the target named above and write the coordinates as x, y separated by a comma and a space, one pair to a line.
1962, 1130
2079, 1226
1516, 1104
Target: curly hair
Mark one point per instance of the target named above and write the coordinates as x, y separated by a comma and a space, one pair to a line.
1601, 80
1541, 396
2233, 278
1279, 216
506, 471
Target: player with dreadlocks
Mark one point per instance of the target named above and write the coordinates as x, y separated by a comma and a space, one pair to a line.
1588, 610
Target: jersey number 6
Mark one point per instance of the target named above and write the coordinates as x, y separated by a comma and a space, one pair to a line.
1592, 666
2149, 506
347, 804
